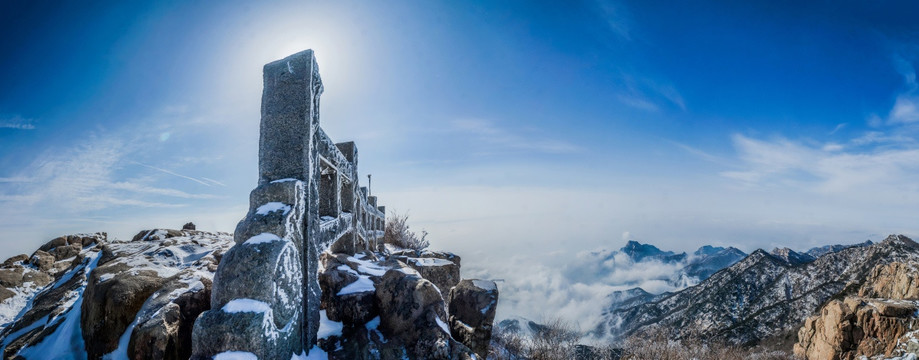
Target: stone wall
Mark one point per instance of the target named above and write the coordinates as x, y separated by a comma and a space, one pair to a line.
265, 297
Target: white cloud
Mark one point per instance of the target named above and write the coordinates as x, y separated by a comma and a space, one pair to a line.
828, 168
905, 110
16, 122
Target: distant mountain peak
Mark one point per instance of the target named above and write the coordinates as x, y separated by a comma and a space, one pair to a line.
708, 250
638, 252
826, 249
792, 257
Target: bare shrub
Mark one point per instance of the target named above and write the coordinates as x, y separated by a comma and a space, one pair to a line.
556, 339
397, 233
659, 345
507, 345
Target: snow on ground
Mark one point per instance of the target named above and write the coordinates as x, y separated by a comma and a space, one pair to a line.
66, 342
362, 284
167, 258
367, 267
11, 308
373, 323
442, 324
328, 328
315, 354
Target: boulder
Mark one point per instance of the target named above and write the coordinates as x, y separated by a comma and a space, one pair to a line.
444, 255
66, 251
156, 234
42, 260
412, 311
189, 226
5, 294
347, 296
165, 323
112, 298
445, 274
472, 305
53, 243
11, 277
18, 258
37, 277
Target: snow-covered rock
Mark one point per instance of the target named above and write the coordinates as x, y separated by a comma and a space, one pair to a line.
115, 299
472, 304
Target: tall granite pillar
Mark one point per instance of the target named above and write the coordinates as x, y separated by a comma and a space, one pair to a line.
265, 296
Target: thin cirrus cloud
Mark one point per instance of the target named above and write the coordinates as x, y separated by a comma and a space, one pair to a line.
499, 138
90, 177
16, 122
650, 95
617, 18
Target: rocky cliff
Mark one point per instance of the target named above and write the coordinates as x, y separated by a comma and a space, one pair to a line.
84, 296
879, 321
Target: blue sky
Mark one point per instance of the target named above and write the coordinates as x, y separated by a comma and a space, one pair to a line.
520, 130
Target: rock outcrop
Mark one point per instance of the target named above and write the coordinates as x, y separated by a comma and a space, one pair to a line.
135, 300
847, 329
876, 322
386, 307
473, 303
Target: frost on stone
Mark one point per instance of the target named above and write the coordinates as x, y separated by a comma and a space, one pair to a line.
313, 182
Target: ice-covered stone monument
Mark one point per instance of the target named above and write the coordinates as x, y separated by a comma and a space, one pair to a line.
265, 296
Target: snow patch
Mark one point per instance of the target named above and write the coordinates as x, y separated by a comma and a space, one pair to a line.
484, 284
235, 355
368, 267
430, 261
327, 328
246, 305
272, 207
315, 354
362, 284
373, 323
443, 326
261, 239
